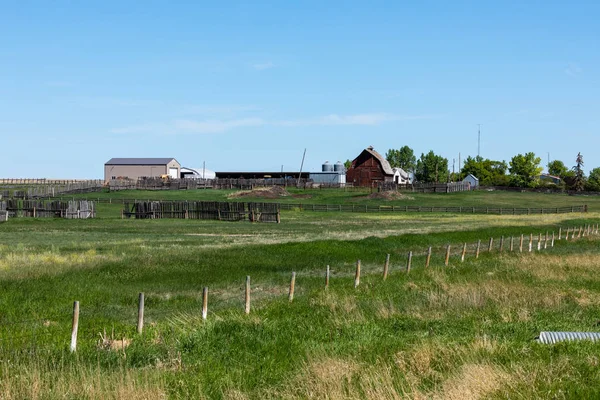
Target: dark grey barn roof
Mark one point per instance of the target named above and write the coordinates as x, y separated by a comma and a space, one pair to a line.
139, 161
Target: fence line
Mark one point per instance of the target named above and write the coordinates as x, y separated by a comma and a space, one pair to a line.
497, 248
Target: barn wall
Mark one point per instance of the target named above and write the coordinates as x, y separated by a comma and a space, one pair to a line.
366, 170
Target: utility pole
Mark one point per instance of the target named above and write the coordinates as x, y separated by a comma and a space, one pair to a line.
301, 165
459, 164
453, 161
478, 140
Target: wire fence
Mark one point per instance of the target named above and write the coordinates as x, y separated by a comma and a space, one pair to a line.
61, 331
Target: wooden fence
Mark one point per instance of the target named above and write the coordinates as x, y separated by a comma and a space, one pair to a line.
17, 208
468, 210
33, 191
213, 210
451, 187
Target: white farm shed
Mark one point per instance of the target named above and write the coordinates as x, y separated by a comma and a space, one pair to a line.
471, 179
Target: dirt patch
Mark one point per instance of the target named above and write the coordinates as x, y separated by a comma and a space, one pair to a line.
389, 196
263, 193
302, 196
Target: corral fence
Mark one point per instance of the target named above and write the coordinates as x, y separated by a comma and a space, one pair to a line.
211, 210
192, 184
18, 208
38, 190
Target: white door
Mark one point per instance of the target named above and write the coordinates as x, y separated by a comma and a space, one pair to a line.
173, 173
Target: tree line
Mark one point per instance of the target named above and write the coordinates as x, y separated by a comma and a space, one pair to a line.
523, 170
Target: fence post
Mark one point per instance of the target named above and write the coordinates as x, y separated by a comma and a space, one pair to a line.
521, 244
546, 241
552, 243
327, 278
477, 250
75, 326
464, 251
247, 306
428, 260
409, 262
512, 244
559, 233
204, 303
567, 237
447, 255
530, 242
539, 242
140, 322
386, 267
579, 235
491, 244
357, 275
292, 287
501, 244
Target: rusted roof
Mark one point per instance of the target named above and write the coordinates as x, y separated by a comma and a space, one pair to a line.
385, 165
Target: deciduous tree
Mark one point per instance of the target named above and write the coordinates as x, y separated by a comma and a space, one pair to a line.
431, 168
525, 170
403, 158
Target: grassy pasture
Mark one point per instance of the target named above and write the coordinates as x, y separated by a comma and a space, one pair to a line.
464, 331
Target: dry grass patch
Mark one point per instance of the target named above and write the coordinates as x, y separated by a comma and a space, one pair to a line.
79, 382
475, 381
19, 265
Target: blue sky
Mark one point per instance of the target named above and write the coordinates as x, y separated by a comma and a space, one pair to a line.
250, 85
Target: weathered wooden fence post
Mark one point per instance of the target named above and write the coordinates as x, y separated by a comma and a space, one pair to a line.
386, 267
552, 243
478, 246
428, 259
521, 244
327, 278
292, 287
357, 275
567, 237
539, 242
502, 244
140, 322
512, 244
409, 262
204, 303
559, 233
447, 255
75, 326
546, 241
464, 251
247, 305
491, 244
530, 242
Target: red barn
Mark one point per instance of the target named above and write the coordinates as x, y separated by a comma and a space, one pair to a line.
369, 168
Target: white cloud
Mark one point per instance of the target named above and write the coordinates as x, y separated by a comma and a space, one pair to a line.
573, 70
370, 119
211, 126
214, 126
263, 66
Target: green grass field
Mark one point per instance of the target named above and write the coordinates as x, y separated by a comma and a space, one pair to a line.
463, 331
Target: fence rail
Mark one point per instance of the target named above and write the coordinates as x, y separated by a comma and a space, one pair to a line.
468, 210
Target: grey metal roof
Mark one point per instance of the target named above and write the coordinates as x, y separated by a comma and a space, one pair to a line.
385, 165
139, 161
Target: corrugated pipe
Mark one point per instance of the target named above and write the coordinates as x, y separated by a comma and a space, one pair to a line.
555, 337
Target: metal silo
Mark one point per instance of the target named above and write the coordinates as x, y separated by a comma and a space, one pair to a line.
327, 167
339, 167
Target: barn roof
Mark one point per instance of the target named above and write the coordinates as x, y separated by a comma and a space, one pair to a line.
385, 165
139, 161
